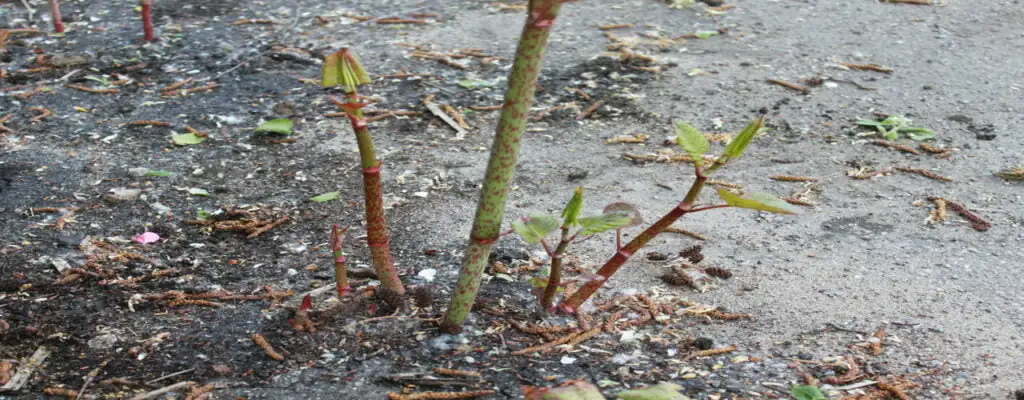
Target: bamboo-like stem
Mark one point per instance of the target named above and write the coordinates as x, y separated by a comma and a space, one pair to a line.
147, 20
622, 255
504, 153
58, 22
340, 265
547, 301
376, 223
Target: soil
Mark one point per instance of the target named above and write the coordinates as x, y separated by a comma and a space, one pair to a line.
73, 193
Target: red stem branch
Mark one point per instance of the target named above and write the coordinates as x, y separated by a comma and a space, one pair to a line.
147, 20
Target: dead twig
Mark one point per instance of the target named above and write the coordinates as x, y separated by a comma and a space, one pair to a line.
875, 346
396, 21
43, 113
791, 178
440, 395
914, 2
460, 132
867, 67
146, 123
587, 112
925, 173
977, 222
456, 372
91, 90
790, 85
263, 344
608, 27
711, 352
25, 370
896, 146
263, 229
852, 373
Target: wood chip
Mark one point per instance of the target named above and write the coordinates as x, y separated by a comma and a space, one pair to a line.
789, 85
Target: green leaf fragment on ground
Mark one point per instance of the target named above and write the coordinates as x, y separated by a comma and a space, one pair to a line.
804, 392
474, 83
198, 192
326, 197
157, 172
661, 391
280, 125
705, 34
185, 139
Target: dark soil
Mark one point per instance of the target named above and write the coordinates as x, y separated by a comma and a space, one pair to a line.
73, 159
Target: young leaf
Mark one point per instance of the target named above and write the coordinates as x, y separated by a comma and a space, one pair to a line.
572, 210
601, 223
203, 214
343, 68
198, 192
536, 227
625, 210
692, 141
806, 392
326, 197
757, 201
661, 391
740, 142
280, 125
473, 83
185, 139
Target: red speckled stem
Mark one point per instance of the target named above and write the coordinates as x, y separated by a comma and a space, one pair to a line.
619, 259
376, 222
58, 22
147, 20
504, 153
338, 256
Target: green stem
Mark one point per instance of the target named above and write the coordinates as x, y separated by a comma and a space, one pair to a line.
619, 259
376, 222
547, 301
340, 266
504, 153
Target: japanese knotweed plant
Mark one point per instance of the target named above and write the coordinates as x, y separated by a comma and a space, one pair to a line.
147, 20
695, 144
490, 210
536, 228
343, 68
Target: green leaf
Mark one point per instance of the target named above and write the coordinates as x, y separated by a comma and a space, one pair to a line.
185, 139
661, 391
343, 68
705, 34
624, 209
474, 83
198, 192
572, 209
601, 223
870, 122
280, 125
804, 392
536, 227
918, 133
757, 201
692, 141
101, 80
157, 172
326, 197
739, 144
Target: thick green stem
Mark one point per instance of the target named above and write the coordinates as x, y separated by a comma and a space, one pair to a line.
504, 154
547, 301
376, 222
619, 259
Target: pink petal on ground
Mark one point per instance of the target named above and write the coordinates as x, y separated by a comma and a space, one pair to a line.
146, 238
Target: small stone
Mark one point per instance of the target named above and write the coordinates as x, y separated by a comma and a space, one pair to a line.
803, 355
291, 272
122, 195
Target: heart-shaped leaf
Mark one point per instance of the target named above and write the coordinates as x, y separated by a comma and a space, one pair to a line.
601, 223
692, 141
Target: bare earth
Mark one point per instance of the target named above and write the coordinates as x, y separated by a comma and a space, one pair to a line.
863, 257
